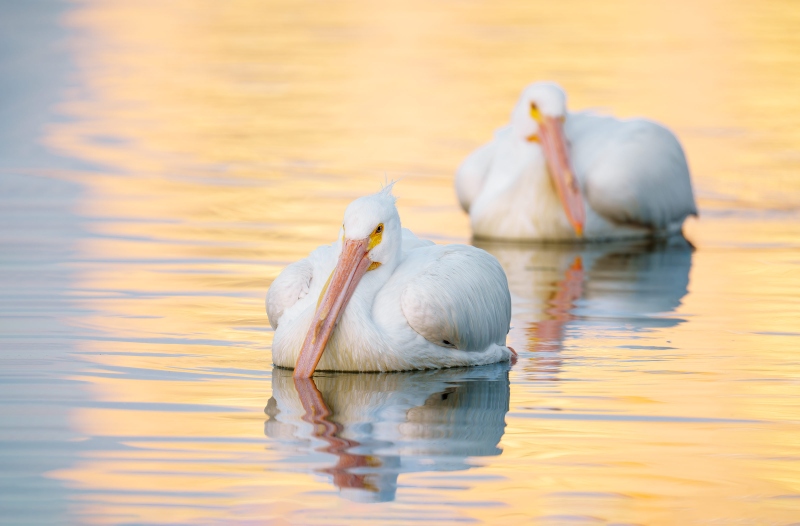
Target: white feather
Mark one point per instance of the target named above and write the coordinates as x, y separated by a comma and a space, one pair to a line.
290, 286
633, 171
472, 173
441, 278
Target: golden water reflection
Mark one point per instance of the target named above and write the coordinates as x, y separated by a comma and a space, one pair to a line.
635, 286
213, 143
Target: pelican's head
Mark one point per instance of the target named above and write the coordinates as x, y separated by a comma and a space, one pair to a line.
547, 98
539, 117
371, 239
373, 219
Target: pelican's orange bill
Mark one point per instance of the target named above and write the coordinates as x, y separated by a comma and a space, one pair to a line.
351, 267
554, 146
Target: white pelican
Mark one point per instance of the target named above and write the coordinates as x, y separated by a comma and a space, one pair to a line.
377, 426
553, 175
380, 299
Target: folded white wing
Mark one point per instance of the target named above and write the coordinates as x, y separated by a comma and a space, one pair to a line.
632, 171
455, 296
291, 285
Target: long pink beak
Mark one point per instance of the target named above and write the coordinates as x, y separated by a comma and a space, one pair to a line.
351, 267
554, 145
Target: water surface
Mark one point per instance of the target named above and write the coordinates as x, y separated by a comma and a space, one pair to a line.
161, 162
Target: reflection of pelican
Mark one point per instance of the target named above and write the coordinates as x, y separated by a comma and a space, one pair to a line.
380, 299
554, 175
381, 425
639, 283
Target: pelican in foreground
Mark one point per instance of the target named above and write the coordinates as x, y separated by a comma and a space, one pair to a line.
553, 175
381, 299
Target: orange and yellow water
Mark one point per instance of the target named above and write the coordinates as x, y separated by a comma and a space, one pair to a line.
163, 161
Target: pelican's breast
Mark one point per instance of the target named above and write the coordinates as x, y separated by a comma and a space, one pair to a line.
518, 199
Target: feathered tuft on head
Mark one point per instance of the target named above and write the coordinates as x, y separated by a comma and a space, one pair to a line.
387, 187
365, 213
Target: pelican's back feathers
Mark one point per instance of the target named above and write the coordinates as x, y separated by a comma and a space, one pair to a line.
632, 171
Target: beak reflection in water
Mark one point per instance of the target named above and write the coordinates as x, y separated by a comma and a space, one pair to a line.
378, 426
629, 286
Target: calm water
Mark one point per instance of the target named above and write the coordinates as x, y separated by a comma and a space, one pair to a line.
161, 162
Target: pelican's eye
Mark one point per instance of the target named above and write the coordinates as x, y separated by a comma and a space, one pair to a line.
535, 113
375, 237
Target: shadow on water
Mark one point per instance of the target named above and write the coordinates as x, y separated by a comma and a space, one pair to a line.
381, 425
633, 286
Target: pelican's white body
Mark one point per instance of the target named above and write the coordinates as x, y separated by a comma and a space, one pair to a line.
633, 176
427, 306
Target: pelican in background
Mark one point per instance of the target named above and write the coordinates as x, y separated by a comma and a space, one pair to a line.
553, 175
381, 299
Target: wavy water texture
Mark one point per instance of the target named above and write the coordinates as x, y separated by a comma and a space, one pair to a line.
161, 162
